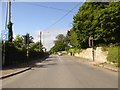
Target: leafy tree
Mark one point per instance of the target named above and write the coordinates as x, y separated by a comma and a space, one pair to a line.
37, 46
97, 19
71, 39
60, 37
59, 43
10, 32
18, 41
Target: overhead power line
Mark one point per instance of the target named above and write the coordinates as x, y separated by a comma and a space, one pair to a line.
43, 6
63, 16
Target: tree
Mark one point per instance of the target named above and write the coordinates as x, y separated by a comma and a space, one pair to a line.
99, 20
59, 43
18, 41
37, 46
72, 39
60, 37
21, 41
10, 32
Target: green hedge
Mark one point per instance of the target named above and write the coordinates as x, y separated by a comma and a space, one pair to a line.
14, 55
114, 55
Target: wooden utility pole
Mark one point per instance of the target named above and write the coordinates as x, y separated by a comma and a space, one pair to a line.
9, 23
40, 41
40, 36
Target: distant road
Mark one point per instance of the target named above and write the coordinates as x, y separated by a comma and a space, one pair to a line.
63, 72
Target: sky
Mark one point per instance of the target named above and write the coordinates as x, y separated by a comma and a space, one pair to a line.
50, 18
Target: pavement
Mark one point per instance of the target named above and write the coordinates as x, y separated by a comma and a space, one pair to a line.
7, 72
10, 71
108, 66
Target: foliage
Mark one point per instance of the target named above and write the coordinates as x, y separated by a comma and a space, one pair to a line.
74, 50
18, 41
16, 52
10, 32
13, 55
114, 55
104, 49
60, 37
60, 44
97, 19
37, 46
71, 38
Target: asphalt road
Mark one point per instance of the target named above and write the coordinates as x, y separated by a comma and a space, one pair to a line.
63, 72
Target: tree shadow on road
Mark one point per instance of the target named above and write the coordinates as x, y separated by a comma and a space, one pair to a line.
29, 63
45, 64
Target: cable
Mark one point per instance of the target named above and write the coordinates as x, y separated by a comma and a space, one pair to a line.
62, 17
49, 7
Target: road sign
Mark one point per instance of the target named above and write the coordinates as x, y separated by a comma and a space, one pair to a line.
4, 35
90, 41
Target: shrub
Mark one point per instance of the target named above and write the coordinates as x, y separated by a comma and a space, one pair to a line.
15, 55
104, 48
114, 55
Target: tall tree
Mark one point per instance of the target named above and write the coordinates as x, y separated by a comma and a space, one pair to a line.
10, 32
71, 39
99, 20
59, 43
37, 46
18, 41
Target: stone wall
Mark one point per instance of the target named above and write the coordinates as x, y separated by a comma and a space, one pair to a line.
99, 55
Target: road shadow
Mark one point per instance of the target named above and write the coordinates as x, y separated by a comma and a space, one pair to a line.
45, 64
29, 63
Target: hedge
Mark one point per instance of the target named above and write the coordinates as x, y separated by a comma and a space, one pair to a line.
14, 55
114, 55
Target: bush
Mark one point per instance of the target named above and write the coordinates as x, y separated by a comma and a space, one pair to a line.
15, 55
114, 55
104, 48
33, 53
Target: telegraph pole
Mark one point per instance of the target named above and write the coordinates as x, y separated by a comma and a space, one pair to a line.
9, 23
40, 41
93, 52
27, 44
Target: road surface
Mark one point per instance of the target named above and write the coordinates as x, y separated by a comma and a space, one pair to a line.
63, 72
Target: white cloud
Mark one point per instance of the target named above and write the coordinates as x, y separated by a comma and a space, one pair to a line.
48, 36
